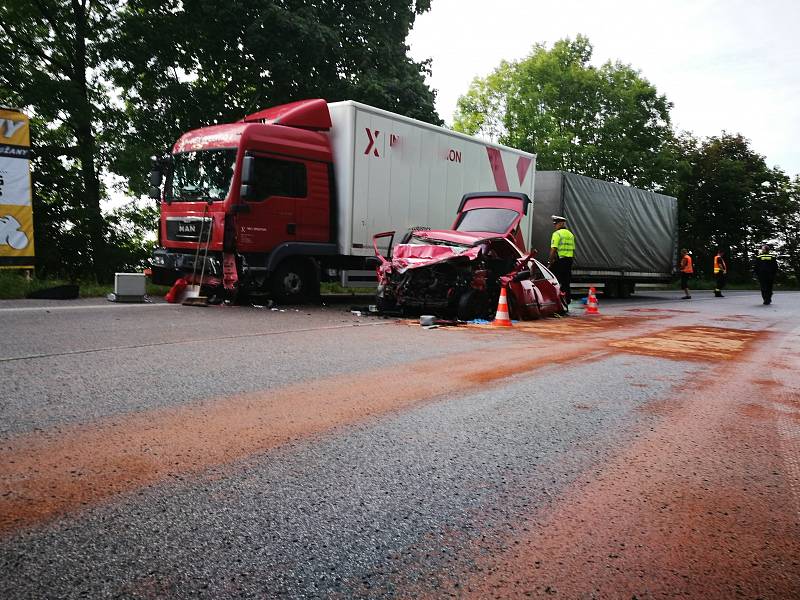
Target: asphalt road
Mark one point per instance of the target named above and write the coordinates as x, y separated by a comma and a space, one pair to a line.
159, 451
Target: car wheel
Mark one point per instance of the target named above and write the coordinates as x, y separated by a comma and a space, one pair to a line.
472, 304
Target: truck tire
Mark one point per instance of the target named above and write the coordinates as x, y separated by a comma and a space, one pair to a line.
611, 289
293, 282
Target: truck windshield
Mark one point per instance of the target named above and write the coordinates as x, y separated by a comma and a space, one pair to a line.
202, 175
494, 220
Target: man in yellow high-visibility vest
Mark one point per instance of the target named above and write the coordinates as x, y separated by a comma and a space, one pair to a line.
562, 251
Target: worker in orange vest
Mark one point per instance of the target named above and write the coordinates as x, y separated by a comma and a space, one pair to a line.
720, 272
687, 270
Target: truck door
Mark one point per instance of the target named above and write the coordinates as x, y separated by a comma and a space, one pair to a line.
271, 216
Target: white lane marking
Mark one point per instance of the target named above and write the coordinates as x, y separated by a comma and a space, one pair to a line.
86, 306
198, 341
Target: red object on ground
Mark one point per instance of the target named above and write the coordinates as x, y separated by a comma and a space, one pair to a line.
176, 291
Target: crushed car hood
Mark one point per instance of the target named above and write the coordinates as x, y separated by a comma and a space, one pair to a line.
467, 247
411, 256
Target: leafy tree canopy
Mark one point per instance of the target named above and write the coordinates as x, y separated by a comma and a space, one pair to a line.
182, 65
729, 198
51, 68
108, 82
607, 122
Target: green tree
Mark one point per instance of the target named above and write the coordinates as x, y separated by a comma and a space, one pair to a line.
729, 198
789, 232
182, 65
607, 122
51, 69
108, 82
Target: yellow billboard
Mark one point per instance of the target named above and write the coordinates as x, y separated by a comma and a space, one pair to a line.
16, 211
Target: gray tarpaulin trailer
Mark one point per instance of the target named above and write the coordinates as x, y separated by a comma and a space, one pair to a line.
623, 235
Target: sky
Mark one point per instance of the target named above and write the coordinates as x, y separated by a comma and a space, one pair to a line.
731, 65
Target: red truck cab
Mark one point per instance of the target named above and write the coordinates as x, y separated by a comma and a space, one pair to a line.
248, 205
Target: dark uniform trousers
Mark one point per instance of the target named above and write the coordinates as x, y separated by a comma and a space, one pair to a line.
721, 279
562, 269
765, 270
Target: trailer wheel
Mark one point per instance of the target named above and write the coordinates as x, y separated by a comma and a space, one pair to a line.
293, 282
628, 288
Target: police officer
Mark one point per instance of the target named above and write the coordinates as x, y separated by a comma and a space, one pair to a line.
720, 272
562, 250
766, 267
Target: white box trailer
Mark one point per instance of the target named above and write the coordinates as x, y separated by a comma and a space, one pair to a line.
394, 173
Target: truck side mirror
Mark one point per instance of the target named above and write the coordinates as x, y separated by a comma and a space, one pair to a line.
248, 169
247, 191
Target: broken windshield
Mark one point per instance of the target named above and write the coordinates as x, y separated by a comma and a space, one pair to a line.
494, 220
202, 175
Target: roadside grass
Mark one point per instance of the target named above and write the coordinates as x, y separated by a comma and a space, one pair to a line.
14, 286
337, 288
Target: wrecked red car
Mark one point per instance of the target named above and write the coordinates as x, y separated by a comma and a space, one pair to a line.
459, 272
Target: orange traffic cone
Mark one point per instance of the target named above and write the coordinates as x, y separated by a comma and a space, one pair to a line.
501, 318
591, 304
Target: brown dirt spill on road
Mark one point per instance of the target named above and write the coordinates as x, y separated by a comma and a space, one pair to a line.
703, 505
578, 325
660, 406
690, 343
44, 475
739, 319
765, 413
660, 310
581, 324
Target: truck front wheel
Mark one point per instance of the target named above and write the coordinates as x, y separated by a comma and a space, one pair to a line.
293, 282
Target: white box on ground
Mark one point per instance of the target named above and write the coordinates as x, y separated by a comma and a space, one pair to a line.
129, 286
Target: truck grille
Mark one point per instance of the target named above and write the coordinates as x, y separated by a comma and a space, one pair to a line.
187, 229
